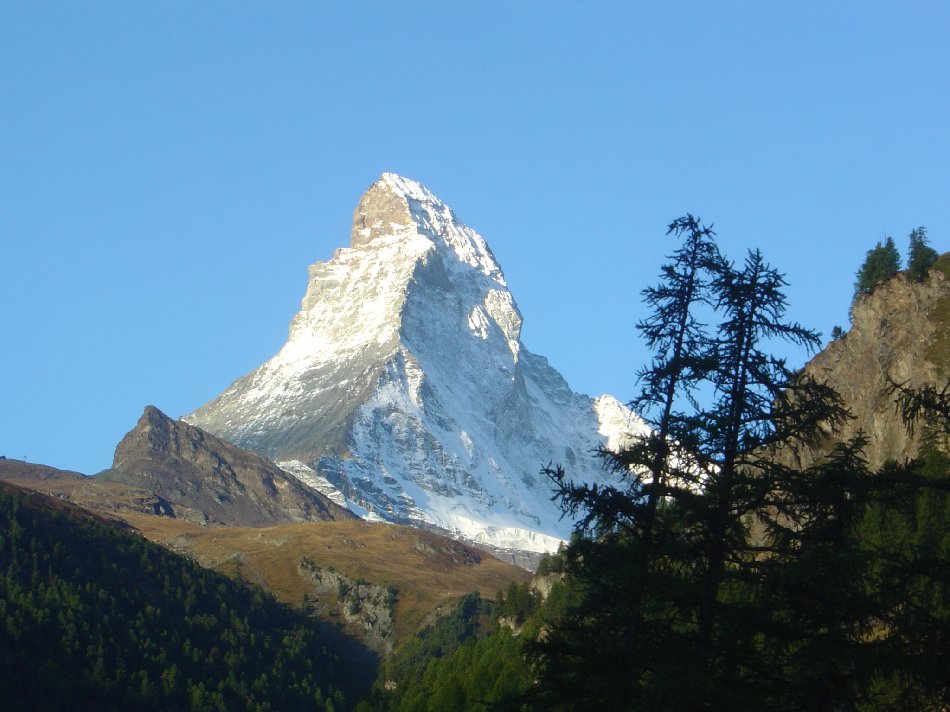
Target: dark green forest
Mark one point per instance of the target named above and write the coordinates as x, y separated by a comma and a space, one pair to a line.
97, 618
470, 659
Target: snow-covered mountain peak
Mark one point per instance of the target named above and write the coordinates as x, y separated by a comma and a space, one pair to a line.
408, 188
404, 384
396, 207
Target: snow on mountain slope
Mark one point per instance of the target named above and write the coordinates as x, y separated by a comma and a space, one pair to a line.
404, 388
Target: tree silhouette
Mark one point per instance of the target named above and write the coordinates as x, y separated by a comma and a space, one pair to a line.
664, 581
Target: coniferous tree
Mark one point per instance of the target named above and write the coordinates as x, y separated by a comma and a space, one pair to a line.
814, 616
920, 256
662, 619
880, 264
626, 572
759, 407
840, 602
737, 564
682, 360
911, 529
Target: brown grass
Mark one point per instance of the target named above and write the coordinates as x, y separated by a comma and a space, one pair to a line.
429, 572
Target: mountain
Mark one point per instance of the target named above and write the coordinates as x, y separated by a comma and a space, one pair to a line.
901, 331
404, 389
377, 581
189, 469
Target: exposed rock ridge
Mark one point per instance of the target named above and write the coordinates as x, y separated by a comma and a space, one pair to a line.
367, 608
188, 468
893, 334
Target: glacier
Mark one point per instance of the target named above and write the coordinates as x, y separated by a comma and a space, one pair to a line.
405, 393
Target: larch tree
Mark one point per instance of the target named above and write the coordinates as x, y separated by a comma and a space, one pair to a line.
661, 620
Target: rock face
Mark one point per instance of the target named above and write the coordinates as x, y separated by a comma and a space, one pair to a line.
366, 607
405, 387
899, 331
189, 469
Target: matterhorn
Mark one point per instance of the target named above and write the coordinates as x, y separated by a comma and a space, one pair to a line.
404, 391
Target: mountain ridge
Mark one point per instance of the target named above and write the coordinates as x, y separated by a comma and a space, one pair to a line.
186, 467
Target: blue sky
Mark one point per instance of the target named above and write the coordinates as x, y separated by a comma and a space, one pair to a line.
168, 171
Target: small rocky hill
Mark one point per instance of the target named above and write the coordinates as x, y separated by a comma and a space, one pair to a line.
12, 469
902, 332
188, 468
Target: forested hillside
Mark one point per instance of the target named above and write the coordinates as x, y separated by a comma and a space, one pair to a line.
97, 618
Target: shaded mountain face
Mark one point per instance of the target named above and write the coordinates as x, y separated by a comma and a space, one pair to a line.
901, 331
404, 389
190, 470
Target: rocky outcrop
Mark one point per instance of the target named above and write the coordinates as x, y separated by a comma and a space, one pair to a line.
364, 608
898, 332
190, 469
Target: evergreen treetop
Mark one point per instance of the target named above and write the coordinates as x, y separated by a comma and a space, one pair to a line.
881, 263
920, 256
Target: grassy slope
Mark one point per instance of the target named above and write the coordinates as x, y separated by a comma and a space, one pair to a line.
430, 572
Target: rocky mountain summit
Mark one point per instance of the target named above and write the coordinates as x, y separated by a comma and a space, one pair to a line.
900, 332
192, 472
405, 392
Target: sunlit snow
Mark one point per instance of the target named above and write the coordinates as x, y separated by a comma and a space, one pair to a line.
404, 391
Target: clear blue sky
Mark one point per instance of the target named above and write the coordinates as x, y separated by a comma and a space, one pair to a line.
169, 169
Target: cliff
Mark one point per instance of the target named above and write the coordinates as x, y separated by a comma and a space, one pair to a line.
900, 332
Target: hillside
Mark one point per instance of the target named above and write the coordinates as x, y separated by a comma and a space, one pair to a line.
97, 618
902, 332
113, 500
423, 572
414, 573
